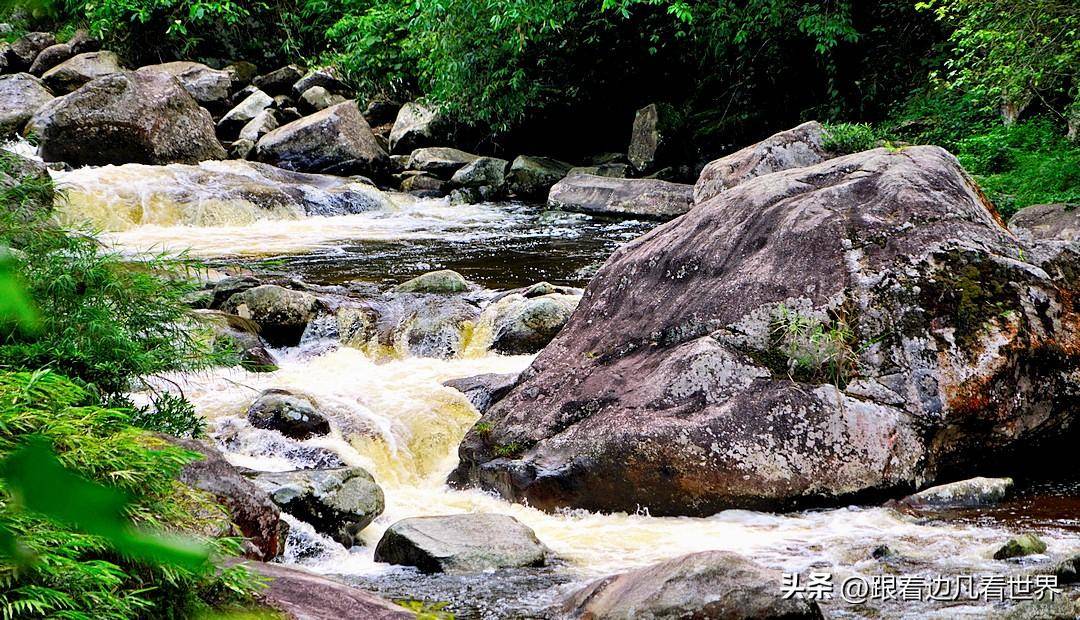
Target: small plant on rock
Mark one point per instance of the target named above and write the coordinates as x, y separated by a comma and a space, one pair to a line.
816, 349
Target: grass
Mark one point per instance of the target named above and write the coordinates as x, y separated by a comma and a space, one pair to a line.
815, 350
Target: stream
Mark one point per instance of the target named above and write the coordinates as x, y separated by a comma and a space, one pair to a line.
396, 419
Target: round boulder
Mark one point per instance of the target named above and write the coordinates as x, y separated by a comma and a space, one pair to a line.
21, 95
462, 543
281, 313
50, 57
292, 415
525, 325
209, 87
415, 126
442, 282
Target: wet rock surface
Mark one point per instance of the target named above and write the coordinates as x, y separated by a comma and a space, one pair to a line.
532, 176
891, 252
293, 415
461, 543
485, 390
282, 314
601, 195
305, 596
336, 140
964, 493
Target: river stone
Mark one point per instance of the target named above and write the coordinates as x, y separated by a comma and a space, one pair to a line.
525, 325
241, 335
263, 123
1019, 546
1053, 221
415, 126
210, 87
244, 112
401, 325
337, 502
485, 390
280, 81
948, 365
301, 595
50, 57
22, 52
532, 176
1061, 606
281, 313
336, 140
440, 160
461, 544
598, 195
255, 515
1068, 571
80, 69
653, 137
128, 117
481, 172
794, 148
423, 184
965, 493
21, 95
292, 415
322, 78
709, 584
318, 98
443, 282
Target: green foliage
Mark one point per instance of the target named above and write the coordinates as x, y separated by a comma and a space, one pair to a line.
847, 138
815, 349
425, 610
78, 557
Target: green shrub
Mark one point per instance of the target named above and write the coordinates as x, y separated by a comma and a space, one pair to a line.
62, 571
844, 138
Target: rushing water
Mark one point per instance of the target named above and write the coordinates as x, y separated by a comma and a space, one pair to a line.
395, 418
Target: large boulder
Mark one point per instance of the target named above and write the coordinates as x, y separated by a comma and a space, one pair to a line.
654, 138
415, 126
600, 195
708, 585
50, 57
440, 160
338, 502
210, 87
129, 117
80, 69
416, 325
462, 543
336, 140
21, 95
863, 326
532, 177
281, 313
318, 98
293, 415
301, 595
524, 325
481, 172
256, 516
442, 282
794, 148
22, 52
1059, 221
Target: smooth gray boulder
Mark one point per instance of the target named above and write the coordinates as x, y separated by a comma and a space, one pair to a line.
128, 117
868, 316
21, 95
462, 543
532, 176
318, 98
50, 57
210, 87
415, 126
440, 160
324, 78
263, 123
442, 282
962, 494
338, 502
294, 415
244, 112
282, 314
599, 195
795, 148
71, 74
336, 140
522, 325
481, 172
1059, 222
706, 585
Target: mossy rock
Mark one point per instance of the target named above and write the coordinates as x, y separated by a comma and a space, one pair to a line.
1022, 545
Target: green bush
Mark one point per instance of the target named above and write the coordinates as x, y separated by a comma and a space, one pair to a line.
844, 138
60, 570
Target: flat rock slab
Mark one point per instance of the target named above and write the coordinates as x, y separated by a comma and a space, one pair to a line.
602, 195
305, 596
461, 543
962, 494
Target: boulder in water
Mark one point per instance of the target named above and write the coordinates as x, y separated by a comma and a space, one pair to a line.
440, 160
1068, 570
523, 325
21, 95
485, 390
415, 126
481, 172
709, 584
258, 519
336, 140
856, 328
279, 81
532, 176
598, 195
22, 52
965, 493
1020, 546
281, 313
400, 325
210, 87
299, 594
794, 148
461, 544
337, 502
128, 117
50, 57
1047, 222
80, 69
442, 282
292, 415
423, 184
